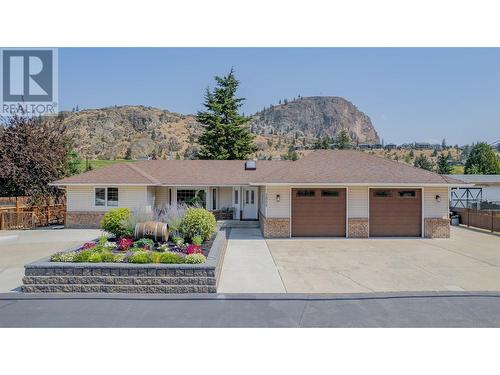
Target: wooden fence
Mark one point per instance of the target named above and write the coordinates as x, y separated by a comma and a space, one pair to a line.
485, 219
19, 213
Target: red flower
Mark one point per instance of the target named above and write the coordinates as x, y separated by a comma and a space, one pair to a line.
124, 243
88, 245
193, 249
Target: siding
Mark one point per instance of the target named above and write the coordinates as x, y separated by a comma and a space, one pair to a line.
275, 209
225, 197
357, 202
161, 196
81, 198
433, 208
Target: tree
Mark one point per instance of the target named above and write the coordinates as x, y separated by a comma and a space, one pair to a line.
421, 161
482, 160
128, 154
443, 144
412, 154
74, 162
33, 153
343, 140
434, 153
290, 155
442, 165
226, 135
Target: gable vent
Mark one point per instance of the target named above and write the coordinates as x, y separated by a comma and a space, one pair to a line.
250, 165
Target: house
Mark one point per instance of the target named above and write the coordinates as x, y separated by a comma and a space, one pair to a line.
391, 146
486, 188
328, 193
423, 146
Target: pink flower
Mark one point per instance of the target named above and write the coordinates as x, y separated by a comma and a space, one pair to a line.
193, 249
124, 243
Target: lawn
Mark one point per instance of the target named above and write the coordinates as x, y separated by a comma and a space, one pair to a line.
96, 163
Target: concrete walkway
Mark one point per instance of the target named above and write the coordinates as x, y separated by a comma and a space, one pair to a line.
248, 265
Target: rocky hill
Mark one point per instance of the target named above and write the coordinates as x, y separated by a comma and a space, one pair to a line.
138, 131
316, 117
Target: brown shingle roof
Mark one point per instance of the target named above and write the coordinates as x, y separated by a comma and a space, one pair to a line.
177, 172
322, 166
348, 166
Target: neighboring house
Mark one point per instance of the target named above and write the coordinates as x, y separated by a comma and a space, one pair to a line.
329, 193
486, 189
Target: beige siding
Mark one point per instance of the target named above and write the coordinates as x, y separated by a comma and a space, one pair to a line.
81, 198
262, 200
276, 209
357, 202
225, 197
161, 196
433, 208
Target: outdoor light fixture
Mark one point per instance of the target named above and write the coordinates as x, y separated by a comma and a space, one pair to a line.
278, 197
438, 198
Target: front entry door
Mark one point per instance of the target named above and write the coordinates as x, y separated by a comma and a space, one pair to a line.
250, 204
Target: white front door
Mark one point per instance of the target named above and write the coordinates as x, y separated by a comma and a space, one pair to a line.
250, 203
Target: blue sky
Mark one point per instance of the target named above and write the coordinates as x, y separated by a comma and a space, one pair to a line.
410, 94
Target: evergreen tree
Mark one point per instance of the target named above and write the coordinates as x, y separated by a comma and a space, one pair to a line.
443, 144
128, 154
343, 140
226, 134
74, 163
442, 165
421, 161
482, 160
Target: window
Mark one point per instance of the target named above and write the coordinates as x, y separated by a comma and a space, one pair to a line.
407, 193
100, 196
382, 193
214, 199
191, 197
106, 197
252, 197
113, 197
329, 193
236, 197
305, 193
246, 196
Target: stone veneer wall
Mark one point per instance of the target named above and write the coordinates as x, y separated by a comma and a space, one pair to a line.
83, 219
436, 228
274, 227
358, 228
45, 276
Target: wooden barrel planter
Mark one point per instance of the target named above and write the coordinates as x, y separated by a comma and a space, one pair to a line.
154, 230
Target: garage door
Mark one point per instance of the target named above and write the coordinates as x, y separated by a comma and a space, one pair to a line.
318, 212
395, 212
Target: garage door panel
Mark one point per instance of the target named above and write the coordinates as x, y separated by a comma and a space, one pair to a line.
321, 213
395, 213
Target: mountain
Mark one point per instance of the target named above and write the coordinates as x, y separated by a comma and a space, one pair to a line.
138, 131
316, 117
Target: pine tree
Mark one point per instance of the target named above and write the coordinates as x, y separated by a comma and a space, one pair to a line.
226, 135
482, 160
343, 140
442, 165
421, 161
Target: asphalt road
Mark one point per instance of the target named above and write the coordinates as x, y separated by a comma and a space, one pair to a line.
437, 309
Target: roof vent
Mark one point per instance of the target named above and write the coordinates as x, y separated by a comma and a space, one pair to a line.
250, 165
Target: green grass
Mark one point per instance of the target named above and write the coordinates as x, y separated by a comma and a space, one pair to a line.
457, 169
102, 163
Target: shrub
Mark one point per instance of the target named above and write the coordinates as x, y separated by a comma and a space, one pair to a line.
193, 249
198, 221
107, 256
82, 256
144, 243
119, 258
140, 256
163, 247
197, 240
179, 241
171, 258
95, 258
115, 222
171, 214
63, 257
124, 243
195, 258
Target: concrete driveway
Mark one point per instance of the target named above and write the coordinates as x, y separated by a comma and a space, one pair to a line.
20, 247
468, 261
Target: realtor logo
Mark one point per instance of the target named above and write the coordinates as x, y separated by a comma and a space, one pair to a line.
29, 81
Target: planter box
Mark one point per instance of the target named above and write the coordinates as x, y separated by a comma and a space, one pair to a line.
45, 276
